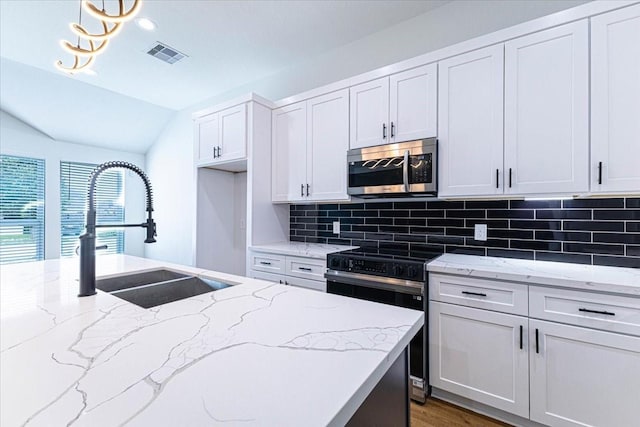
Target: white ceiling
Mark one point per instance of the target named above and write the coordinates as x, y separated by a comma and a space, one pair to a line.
228, 43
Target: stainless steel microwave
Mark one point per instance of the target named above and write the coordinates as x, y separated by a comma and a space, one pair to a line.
394, 170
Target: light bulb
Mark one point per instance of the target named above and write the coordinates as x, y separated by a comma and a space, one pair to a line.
146, 24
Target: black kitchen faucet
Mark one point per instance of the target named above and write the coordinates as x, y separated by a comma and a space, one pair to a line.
88, 239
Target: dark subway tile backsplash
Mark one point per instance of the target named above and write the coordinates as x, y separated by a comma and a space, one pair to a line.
587, 231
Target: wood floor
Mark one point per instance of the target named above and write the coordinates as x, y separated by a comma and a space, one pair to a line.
437, 413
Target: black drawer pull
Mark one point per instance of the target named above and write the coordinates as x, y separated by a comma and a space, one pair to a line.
537, 345
265, 263
304, 268
586, 310
521, 330
480, 294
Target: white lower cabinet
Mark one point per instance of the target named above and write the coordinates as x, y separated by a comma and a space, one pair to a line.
583, 377
289, 270
584, 371
481, 355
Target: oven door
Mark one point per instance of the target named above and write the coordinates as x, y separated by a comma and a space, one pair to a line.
386, 291
404, 168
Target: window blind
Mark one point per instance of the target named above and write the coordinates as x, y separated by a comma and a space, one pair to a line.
21, 209
109, 198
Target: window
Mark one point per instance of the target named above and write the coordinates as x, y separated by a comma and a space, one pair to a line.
21, 209
109, 198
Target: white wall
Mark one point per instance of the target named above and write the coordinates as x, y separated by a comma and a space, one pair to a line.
170, 159
18, 138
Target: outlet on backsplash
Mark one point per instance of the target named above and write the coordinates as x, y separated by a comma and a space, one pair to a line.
480, 232
336, 227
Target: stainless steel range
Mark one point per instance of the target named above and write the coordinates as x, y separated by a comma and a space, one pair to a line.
390, 278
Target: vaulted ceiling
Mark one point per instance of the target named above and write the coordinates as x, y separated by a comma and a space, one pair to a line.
126, 105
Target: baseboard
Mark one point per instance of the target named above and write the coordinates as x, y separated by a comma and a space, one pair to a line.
483, 409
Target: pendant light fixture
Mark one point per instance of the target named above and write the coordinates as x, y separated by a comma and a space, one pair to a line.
94, 43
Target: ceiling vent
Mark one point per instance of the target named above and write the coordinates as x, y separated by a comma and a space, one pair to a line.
165, 53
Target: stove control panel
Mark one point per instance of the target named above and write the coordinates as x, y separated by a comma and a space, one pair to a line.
409, 270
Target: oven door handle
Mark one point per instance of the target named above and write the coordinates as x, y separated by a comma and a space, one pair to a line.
368, 281
405, 171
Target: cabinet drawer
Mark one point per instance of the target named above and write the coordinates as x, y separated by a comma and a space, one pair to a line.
316, 285
487, 294
267, 262
607, 312
306, 268
269, 277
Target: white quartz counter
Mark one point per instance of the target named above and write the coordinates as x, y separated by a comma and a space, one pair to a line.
585, 277
256, 353
309, 250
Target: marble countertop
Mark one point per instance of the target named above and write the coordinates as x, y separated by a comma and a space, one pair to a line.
256, 353
585, 277
308, 250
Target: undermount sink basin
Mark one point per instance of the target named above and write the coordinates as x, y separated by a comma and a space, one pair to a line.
157, 287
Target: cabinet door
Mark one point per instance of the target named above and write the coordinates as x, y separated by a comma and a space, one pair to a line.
233, 133
327, 145
547, 111
583, 377
369, 114
470, 123
289, 152
412, 107
478, 354
615, 101
206, 134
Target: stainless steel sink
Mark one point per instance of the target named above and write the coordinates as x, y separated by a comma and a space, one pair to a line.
137, 279
157, 287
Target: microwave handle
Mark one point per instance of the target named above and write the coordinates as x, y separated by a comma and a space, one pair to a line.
405, 171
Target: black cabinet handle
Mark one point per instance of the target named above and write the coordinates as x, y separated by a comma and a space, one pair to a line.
537, 344
586, 310
280, 281
214, 152
219, 151
509, 177
474, 293
301, 190
265, 263
304, 268
521, 330
599, 173
384, 131
392, 133
497, 178
307, 190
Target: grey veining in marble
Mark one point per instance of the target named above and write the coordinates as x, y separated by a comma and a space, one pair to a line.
256, 353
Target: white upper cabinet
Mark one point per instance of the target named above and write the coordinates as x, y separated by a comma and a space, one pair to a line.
233, 133
412, 107
289, 152
615, 101
222, 136
310, 142
397, 108
206, 137
369, 113
546, 123
470, 123
327, 145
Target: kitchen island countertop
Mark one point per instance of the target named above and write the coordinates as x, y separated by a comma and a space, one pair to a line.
256, 353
